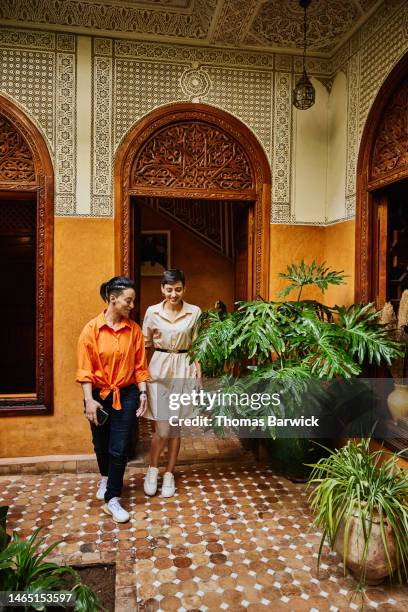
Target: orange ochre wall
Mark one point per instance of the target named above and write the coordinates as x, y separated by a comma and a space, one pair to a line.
333, 244
83, 258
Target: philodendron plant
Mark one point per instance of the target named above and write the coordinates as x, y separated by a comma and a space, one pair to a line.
290, 343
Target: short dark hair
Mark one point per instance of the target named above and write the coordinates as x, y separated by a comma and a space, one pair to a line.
115, 286
173, 276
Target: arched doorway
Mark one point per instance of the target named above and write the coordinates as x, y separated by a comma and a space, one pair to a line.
382, 214
187, 152
26, 244
382, 190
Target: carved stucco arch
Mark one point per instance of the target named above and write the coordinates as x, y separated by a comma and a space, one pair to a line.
382, 160
28, 169
228, 130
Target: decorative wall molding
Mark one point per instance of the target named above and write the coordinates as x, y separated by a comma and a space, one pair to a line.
102, 137
282, 146
65, 156
353, 81
189, 54
240, 23
113, 17
23, 39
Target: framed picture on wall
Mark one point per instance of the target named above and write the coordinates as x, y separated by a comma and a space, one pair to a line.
155, 252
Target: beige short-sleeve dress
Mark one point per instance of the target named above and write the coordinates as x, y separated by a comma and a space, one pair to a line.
160, 332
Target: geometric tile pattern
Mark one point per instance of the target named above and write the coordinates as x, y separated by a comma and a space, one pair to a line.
247, 94
37, 70
28, 77
232, 538
140, 87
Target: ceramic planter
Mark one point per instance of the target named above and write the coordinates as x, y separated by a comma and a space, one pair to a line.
376, 566
398, 402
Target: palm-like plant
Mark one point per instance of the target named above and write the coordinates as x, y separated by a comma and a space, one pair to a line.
292, 342
24, 568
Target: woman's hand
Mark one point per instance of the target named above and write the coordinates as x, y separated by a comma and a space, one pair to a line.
91, 406
142, 405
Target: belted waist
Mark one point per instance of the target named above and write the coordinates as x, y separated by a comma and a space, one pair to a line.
171, 350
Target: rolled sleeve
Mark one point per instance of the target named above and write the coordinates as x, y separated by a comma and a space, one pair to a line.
147, 330
84, 371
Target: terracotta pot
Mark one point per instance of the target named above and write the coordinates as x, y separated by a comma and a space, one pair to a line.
398, 402
376, 566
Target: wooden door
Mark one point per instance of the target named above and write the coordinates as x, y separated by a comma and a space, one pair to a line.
390, 244
381, 248
137, 256
243, 243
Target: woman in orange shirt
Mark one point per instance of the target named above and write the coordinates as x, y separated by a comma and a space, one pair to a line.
112, 366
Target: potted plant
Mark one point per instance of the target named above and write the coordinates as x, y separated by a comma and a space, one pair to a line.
398, 327
287, 346
361, 505
23, 568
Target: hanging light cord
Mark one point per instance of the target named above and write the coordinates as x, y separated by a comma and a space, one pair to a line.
304, 36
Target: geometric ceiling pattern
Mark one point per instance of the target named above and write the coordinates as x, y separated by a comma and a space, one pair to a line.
264, 25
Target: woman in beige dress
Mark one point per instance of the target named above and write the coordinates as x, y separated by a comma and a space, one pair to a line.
169, 327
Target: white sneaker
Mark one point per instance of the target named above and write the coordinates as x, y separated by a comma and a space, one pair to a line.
150, 481
100, 494
114, 508
168, 486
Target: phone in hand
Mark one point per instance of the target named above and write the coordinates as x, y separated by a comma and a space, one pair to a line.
101, 416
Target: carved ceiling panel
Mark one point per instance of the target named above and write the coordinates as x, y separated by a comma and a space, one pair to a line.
242, 24
391, 147
281, 23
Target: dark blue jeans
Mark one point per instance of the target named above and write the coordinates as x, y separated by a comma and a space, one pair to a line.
112, 440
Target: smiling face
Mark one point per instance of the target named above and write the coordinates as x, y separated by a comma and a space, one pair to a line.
173, 294
123, 303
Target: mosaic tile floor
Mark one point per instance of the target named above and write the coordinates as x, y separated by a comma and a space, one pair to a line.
235, 538
202, 448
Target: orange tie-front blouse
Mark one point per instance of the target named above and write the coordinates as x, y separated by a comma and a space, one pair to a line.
111, 359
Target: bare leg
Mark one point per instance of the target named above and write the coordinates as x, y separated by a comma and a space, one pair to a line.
174, 448
156, 448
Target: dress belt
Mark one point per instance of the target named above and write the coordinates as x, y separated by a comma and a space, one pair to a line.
171, 350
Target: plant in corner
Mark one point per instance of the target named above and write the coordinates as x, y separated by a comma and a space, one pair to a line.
398, 327
23, 567
288, 347
361, 504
